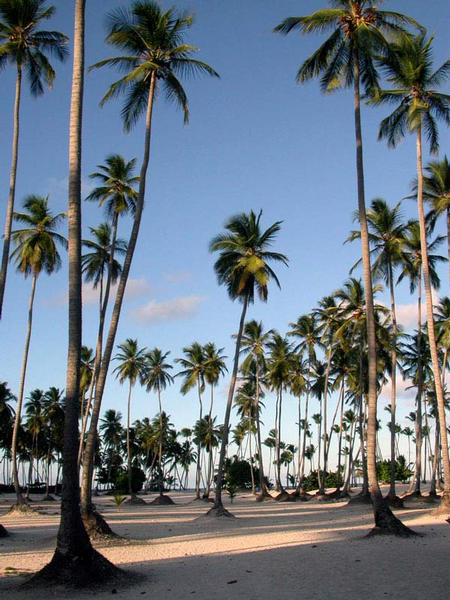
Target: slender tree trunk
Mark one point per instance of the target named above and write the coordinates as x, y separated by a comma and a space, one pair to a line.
218, 507
262, 484
23, 373
430, 325
74, 559
198, 473
12, 190
279, 484
161, 479
130, 487
384, 519
88, 459
392, 495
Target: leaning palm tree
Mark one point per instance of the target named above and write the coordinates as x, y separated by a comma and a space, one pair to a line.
409, 70
36, 251
25, 45
346, 59
153, 55
157, 377
131, 368
243, 267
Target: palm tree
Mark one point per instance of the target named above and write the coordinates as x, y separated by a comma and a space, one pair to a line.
409, 69
194, 370
387, 237
157, 378
242, 266
347, 58
436, 191
154, 53
74, 559
112, 430
35, 251
132, 367
25, 46
53, 414
253, 344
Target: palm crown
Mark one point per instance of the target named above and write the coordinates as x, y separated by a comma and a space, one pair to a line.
153, 42
243, 262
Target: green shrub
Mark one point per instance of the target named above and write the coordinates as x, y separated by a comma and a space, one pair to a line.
137, 480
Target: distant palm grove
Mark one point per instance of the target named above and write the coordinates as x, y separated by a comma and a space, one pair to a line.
332, 361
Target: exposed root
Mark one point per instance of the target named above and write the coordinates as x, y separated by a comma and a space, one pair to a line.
444, 507
284, 497
386, 523
86, 571
301, 495
162, 499
3, 532
219, 512
263, 496
96, 526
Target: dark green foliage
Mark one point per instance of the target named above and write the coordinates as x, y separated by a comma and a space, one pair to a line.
137, 481
402, 472
237, 474
311, 482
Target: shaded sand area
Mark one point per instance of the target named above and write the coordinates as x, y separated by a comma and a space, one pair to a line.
311, 550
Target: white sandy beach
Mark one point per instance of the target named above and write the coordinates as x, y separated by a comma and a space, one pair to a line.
312, 550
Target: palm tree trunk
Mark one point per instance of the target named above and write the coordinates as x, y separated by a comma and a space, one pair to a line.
384, 519
262, 483
445, 504
218, 507
161, 480
252, 474
392, 495
12, 189
198, 473
130, 487
74, 558
88, 459
20, 500
325, 424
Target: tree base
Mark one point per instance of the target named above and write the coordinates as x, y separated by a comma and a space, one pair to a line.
48, 498
96, 526
219, 512
284, 497
135, 500
386, 523
301, 495
21, 510
444, 507
162, 500
264, 495
362, 498
394, 501
88, 570
3, 532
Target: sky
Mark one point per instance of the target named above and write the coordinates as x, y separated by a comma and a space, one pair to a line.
256, 140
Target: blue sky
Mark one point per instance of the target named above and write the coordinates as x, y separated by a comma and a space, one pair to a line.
256, 140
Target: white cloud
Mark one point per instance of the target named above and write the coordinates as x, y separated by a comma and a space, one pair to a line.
169, 310
407, 315
60, 187
401, 389
177, 276
136, 288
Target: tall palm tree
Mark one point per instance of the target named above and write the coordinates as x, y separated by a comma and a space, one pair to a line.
25, 45
53, 414
132, 367
157, 378
194, 370
243, 267
74, 559
409, 70
387, 238
153, 54
36, 250
346, 59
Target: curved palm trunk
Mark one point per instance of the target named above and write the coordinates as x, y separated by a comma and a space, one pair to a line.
20, 500
252, 474
75, 559
325, 424
218, 507
198, 474
262, 484
12, 189
88, 459
280, 400
384, 519
430, 325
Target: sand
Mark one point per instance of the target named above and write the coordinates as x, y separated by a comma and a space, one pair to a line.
311, 550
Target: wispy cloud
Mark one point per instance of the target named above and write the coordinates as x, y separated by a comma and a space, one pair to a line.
170, 310
177, 276
60, 187
136, 288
